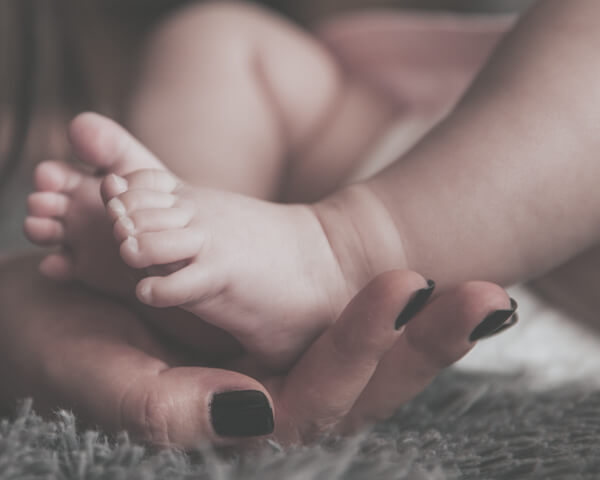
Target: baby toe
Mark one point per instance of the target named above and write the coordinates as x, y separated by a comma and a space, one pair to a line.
152, 179
47, 204
160, 248
161, 219
112, 185
44, 231
123, 228
147, 179
429, 344
58, 266
133, 200
102, 143
150, 220
187, 285
53, 176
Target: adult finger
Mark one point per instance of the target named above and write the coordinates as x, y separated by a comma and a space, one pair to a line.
100, 361
444, 331
327, 380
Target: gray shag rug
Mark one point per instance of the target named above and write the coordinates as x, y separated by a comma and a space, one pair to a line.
463, 426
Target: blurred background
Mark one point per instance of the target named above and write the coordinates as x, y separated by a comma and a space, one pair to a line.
309, 11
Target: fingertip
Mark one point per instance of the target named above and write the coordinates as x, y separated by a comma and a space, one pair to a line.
89, 136
222, 408
444, 332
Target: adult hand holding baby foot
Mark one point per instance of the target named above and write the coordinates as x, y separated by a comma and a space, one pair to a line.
349, 366
103, 362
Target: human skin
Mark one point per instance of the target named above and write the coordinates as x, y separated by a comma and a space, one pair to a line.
69, 348
66, 389
505, 187
424, 212
257, 89
299, 104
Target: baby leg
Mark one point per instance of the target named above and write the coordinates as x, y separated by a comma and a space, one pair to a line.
234, 97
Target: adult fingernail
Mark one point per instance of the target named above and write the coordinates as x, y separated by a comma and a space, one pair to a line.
496, 322
243, 413
415, 304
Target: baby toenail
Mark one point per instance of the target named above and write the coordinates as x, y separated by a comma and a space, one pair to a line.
132, 243
127, 225
116, 206
120, 182
145, 293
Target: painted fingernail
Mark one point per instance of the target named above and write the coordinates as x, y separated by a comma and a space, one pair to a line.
116, 207
496, 322
243, 413
120, 182
415, 304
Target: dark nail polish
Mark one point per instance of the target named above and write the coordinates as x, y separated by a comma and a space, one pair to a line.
496, 322
243, 413
415, 304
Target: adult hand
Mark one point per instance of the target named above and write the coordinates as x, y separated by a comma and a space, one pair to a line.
69, 348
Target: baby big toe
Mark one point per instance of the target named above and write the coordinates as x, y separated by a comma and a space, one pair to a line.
102, 143
159, 248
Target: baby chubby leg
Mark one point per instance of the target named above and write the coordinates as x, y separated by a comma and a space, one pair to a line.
233, 96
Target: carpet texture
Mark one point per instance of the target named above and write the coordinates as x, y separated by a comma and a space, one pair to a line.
464, 426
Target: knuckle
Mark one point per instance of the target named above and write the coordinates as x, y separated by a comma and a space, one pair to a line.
318, 428
153, 421
351, 345
144, 413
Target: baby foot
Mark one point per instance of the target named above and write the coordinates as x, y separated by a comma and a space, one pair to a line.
261, 271
66, 210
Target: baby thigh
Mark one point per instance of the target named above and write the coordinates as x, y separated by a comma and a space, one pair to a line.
229, 92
